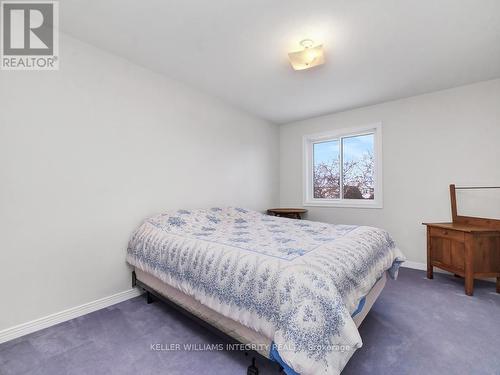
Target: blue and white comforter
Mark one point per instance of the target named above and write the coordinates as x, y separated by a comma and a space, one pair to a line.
296, 282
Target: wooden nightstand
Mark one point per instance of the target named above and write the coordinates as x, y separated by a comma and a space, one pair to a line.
468, 247
291, 213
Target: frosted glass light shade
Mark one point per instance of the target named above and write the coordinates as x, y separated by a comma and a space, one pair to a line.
307, 58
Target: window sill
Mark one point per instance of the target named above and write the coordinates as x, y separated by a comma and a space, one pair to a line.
343, 204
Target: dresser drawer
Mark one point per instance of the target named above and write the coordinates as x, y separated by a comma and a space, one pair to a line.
448, 234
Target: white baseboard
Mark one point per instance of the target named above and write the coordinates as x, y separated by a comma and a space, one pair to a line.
414, 265
62, 316
423, 267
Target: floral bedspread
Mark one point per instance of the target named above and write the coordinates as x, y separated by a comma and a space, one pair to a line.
296, 282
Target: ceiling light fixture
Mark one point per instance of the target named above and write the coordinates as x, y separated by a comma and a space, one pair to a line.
309, 57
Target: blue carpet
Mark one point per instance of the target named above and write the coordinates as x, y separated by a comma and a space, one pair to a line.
417, 326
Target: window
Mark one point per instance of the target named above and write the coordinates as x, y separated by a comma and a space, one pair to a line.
344, 168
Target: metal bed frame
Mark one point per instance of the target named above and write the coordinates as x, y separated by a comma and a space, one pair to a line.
152, 295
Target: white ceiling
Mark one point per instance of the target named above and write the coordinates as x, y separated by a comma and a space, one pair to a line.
376, 50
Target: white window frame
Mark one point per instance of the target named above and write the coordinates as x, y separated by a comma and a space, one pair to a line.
308, 159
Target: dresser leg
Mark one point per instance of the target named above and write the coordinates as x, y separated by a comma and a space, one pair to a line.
469, 285
430, 269
469, 267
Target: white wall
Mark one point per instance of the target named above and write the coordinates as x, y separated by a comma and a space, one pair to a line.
88, 151
429, 141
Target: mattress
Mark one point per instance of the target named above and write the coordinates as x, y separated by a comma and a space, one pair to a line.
298, 283
242, 334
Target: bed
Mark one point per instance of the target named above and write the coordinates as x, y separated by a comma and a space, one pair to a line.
296, 290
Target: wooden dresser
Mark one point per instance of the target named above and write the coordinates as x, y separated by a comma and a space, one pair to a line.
468, 247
